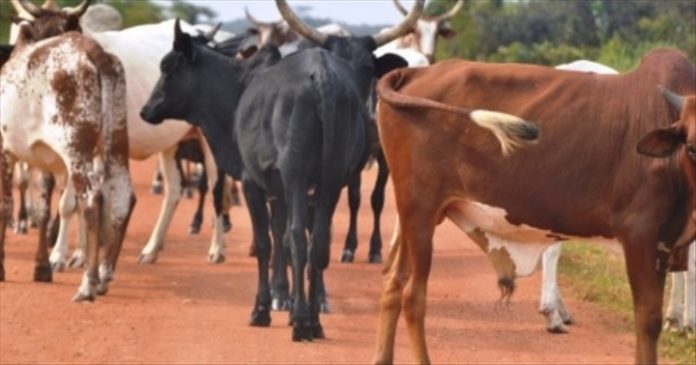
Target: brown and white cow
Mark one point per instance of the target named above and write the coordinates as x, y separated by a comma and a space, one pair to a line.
64, 111
425, 34
582, 179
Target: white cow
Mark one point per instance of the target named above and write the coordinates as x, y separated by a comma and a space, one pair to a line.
64, 111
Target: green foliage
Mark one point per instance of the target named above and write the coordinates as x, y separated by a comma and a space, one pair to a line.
190, 12
598, 275
614, 32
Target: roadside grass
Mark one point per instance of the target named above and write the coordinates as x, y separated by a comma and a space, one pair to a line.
597, 274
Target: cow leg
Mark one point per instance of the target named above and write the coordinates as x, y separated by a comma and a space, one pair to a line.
280, 287
227, 203
551, 303
234, 191
42, 270
354, 203
216, 253
690, 296
377, 200
296, 196
23, 214
172, 194
119, 203
92, 202
156, 185
256, 203
647, 281
66, 207
195, 226
78, 258
396, 273
417, 229
675, 308
5, 202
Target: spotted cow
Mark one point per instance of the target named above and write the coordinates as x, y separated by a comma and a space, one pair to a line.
63, 101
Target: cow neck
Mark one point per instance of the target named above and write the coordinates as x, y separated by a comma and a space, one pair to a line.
214, 111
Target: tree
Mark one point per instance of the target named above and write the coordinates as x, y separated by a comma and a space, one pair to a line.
191, 13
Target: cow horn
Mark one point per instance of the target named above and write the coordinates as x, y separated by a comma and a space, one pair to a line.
452, 12
298, 25
675, 100
20, 10
211, 34
79, 10
404, 27
177, 29
251, 17
50, 5
25, 7
400, 7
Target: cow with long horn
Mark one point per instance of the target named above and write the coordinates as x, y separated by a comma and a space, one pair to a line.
425, 34
299, 124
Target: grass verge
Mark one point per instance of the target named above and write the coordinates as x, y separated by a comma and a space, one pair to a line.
598, 275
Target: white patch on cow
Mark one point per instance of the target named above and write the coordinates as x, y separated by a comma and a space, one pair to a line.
587, 66
524, 243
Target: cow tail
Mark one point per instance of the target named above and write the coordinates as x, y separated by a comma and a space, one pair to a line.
115, 148
511, 131
327, 114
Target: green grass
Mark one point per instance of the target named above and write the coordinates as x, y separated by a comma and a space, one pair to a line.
598, 275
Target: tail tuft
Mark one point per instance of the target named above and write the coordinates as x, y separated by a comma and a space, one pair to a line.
511, 131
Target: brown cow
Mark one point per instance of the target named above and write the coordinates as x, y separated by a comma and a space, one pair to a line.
583, 179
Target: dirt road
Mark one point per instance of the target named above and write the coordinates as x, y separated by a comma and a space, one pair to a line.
185, 310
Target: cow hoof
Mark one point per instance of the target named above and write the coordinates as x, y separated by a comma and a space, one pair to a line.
77, 260
43, 274
280, 304
318, 332
22, 227
348, 256
147, 258
260, 318
375, 258
194, 229
58, 266
672, 324
557, 329
83, 297
156, 189
324, 307
216, 258
568, 320
102, 288
2, 273
301, 332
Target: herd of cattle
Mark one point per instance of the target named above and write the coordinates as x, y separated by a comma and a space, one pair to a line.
519, 157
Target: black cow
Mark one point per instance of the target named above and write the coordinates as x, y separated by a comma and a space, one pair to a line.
292, 126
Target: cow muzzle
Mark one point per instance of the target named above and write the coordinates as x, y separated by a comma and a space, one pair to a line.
147, 114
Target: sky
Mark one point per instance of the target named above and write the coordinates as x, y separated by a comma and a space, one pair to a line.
356, 12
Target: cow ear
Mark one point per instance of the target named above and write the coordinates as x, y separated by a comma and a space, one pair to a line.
661, 142
183, 42
389, 62
447, 33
